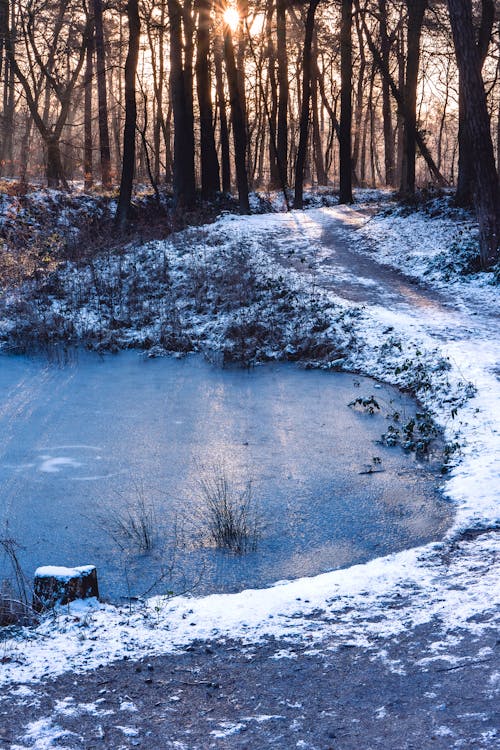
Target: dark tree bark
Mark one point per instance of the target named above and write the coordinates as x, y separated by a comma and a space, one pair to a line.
390, 172
486, 192
345, 152
210, 182
6, 119
128, 161
238, 121
358, 110
184, 179
416, 12
399, 88
158, 66
465, 180
87, 139
275, 177
300, 162
319, 162
4, 31
221, 106
102, 96
282, 129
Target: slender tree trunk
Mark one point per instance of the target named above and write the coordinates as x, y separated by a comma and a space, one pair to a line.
102, 96
238, 121
390, 176
87, 139
7, 123
275, 177
400, 111
300, 163
4, 70
184, 179
358, 111
486, 193
346, 103
159, 125
416, 12
25, 149
210, 183
221, 103
4, 31
128, 165
188, 74
282, 130
319, 163
169, 159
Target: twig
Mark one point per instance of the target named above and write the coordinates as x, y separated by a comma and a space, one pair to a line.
462, 666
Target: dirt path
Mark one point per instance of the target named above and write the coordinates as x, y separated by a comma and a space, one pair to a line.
401, 692
337, 265
273, 694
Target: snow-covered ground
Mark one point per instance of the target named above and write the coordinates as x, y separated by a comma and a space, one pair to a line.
444, 348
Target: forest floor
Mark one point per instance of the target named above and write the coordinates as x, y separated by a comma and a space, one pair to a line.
399, 653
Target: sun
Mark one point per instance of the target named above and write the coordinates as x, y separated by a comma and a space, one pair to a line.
231, 18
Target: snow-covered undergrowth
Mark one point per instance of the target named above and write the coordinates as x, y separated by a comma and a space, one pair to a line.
436, 243
218, 290
210, 289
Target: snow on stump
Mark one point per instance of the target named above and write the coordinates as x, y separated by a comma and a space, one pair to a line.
55, 585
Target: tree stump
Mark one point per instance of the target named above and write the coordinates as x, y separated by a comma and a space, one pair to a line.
54, 585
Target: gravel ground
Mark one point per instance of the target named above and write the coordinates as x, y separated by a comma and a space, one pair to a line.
273, 694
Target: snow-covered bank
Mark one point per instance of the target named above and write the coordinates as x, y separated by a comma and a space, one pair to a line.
437, 352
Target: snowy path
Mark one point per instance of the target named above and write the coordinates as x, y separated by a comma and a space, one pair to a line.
426, 617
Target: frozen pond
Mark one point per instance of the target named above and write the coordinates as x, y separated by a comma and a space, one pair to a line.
84, 444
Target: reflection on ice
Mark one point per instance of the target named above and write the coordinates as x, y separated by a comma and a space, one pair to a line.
80, 445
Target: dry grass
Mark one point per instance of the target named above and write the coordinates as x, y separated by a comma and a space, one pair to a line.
15, 598
228, 515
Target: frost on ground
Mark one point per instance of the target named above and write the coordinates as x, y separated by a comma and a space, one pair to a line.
256, 288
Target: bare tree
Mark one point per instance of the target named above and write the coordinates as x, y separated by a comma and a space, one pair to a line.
128, 163
210, 182
345, 103
238, 121
477, 121
304, 111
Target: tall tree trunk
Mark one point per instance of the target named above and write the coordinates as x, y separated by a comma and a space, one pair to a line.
275, 177
128, 162
7, 125
300, 162
390, 176
159, 123
87, 126
5, 130
4, 31
416, 12
358, 110
465, 180
221, 104
184, 179
102, 96
486, 193
319, 162
238, 121
345, 103
210, 183
282, 131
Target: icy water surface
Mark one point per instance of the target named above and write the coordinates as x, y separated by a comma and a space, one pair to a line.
84, 444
